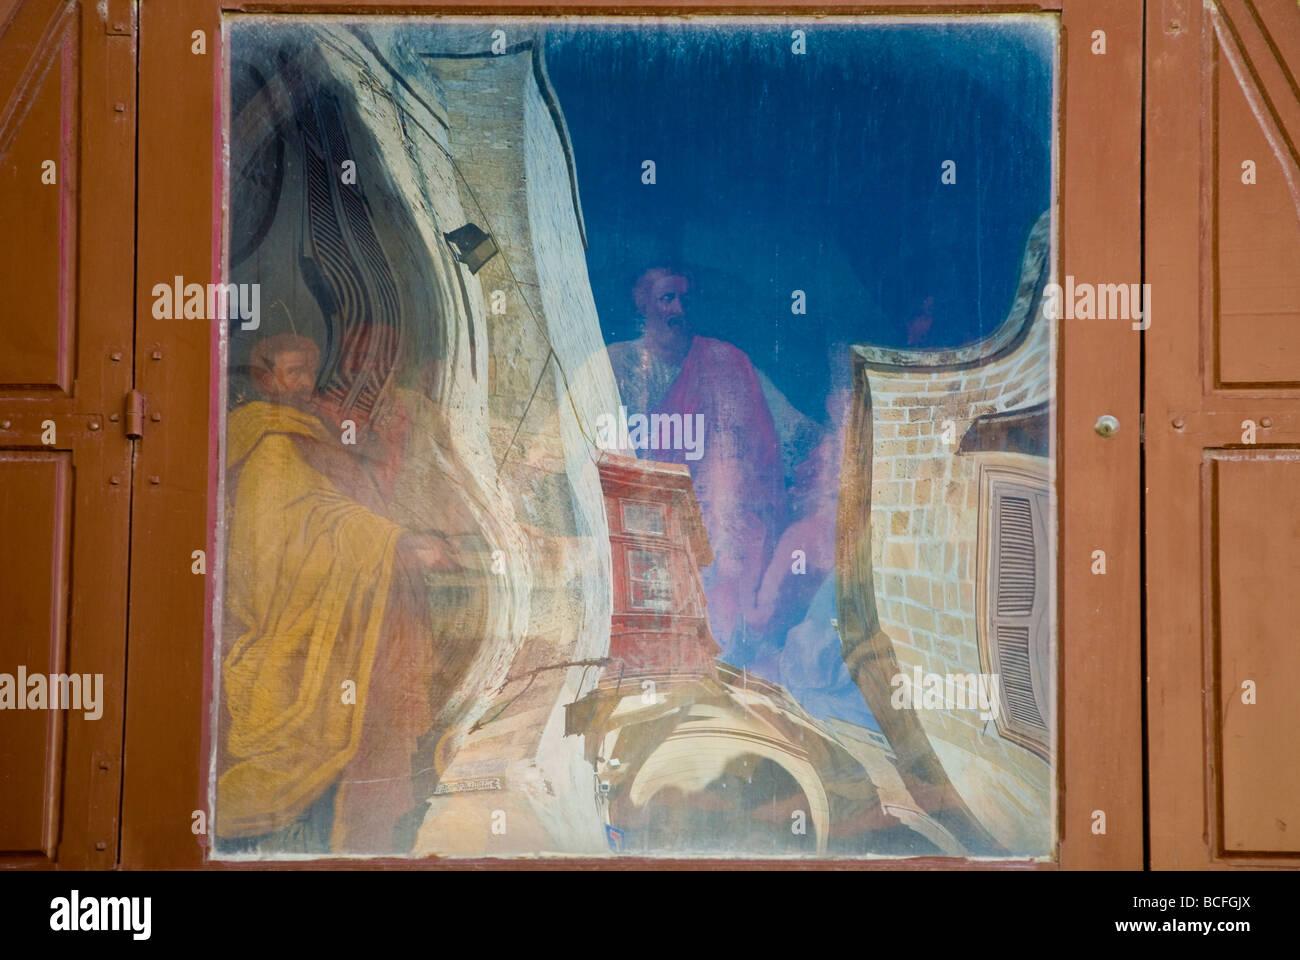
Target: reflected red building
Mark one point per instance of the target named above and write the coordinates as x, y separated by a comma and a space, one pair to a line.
695, 755
658, 547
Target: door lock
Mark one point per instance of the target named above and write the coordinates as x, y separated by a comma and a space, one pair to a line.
1106, 426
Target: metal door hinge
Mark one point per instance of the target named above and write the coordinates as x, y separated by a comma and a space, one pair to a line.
1142, 427
119, 18
135, 415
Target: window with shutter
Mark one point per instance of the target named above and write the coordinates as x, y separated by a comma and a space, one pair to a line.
1016, 625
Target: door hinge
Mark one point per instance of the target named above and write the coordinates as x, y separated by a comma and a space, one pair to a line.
119, 18
1142, 427
135, 415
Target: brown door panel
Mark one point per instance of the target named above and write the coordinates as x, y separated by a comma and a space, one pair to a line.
67, 155
36, 512
1256, 109
1223, 432
38, 186
1255, 563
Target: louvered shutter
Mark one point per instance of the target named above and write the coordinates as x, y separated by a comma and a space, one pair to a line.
1019, 604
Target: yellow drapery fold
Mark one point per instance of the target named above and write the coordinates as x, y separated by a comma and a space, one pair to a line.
307, 581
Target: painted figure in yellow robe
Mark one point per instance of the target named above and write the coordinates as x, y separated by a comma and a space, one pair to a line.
327, 652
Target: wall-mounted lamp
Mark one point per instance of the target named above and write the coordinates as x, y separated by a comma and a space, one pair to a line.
473, 247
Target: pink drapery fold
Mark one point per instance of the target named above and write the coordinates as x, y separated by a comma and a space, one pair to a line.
739, 478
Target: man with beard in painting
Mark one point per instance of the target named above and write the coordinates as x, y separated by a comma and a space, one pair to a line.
738, 477
327, 651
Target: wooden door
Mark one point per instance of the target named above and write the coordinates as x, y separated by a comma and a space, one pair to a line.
1223, 432
67, 150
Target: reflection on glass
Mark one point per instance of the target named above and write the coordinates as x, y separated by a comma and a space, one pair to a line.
614, 470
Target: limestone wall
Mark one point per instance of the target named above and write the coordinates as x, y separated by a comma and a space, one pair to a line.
924, 542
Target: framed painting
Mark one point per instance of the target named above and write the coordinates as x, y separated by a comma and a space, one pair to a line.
634, 437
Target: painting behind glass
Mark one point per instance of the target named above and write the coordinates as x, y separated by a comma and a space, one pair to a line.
644, 443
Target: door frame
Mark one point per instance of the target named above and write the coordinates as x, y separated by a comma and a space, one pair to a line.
1099, 759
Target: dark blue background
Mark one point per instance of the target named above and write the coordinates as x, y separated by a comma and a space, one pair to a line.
818, 172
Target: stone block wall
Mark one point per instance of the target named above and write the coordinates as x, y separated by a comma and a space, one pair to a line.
924, 542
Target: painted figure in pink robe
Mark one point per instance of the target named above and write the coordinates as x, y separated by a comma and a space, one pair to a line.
738, 475
786, 609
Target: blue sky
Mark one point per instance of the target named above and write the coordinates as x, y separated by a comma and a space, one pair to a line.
818, 172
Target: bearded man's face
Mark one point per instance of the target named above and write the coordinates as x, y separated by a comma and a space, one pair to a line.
292, 381
668, 301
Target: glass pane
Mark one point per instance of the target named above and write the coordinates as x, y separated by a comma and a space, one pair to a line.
643, 517
651, 588
496, 280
